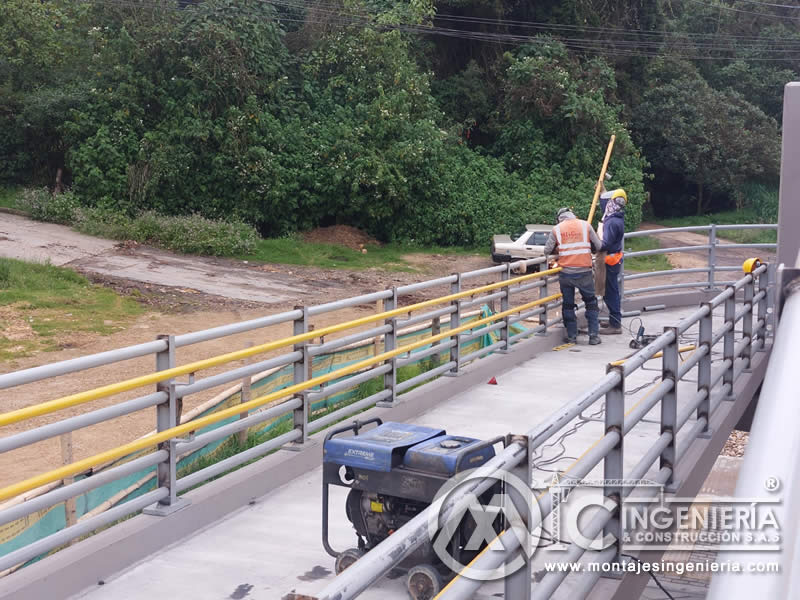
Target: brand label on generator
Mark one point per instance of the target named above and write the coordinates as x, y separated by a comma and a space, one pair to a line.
365, 454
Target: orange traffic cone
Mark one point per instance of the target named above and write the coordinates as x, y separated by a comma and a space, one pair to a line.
493, 381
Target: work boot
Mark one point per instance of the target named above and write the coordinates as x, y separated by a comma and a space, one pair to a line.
609, 330
594, 340
570, 340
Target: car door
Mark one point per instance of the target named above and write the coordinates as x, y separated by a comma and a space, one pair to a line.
529, 249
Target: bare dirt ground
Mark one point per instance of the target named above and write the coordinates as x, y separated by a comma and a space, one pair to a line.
183, 294
192, 293
159, 271
727, 255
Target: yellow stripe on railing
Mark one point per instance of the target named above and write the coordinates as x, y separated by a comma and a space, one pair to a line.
22, 414
151, 440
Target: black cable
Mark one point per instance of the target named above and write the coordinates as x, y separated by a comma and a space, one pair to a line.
747, 12
653, 575
619, 47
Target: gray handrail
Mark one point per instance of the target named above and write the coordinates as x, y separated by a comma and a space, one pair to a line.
772, 454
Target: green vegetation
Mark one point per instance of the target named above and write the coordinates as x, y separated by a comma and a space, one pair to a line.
655, 262
9, 197
43, 307
287, 117
743, 236
292, 250
191, 234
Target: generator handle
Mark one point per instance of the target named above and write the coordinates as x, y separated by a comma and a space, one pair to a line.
355, 426
481, 446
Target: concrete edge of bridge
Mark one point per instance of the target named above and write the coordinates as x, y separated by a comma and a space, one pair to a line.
92, 561
693, 469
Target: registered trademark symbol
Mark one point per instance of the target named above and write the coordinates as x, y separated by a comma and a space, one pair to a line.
772, 484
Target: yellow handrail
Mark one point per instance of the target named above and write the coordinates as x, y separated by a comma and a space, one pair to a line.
22, 414
151, 440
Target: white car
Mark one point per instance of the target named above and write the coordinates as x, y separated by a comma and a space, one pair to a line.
527, 243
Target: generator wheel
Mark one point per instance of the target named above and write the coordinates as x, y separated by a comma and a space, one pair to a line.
347, 558
423, 582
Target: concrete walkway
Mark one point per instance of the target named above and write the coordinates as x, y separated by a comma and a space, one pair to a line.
273, 546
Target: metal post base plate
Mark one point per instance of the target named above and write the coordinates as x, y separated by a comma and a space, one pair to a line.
386, 404
706, 435
672, 488
298, 446
162, 510
452, 374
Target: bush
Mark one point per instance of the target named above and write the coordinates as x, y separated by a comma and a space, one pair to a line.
763, 199
191, 234
44, 206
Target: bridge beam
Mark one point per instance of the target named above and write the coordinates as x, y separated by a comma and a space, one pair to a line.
789, 208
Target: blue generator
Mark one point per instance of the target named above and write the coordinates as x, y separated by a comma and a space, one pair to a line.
394, 471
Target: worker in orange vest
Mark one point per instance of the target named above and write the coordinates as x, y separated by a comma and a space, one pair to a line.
612, 231
574, 241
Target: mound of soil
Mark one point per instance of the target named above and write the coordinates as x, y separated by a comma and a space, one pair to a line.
341, 235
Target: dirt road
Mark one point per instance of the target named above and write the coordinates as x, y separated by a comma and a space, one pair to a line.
272, 285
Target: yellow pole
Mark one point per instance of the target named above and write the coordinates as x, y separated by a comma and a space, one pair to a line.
600, 181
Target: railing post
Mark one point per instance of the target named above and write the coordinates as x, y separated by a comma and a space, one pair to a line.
706, 327
621, 285
613, 472
669, 408
436, 329
166, 418
244, 397
747, 322
301, 367
505, 304
390, 343
763, 286
712, 254
517, 585
70, 513
728, 341
455, 321
543, 293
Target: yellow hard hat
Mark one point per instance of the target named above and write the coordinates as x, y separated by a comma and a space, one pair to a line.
620, 193
751, 264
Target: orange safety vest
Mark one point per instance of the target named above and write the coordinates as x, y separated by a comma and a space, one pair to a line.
613, 259
574, 247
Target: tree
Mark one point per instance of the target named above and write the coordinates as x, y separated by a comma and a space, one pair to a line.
717, 140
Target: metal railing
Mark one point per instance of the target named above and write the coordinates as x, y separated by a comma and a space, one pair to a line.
521, 297
175, 439
745, 300
771, 460
711, 248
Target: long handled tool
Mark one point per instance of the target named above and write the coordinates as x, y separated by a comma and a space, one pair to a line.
600, 257
599, 185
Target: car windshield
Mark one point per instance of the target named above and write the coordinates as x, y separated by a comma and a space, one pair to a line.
518, 234
539, 238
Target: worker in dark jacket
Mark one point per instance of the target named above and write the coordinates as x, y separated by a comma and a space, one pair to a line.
612, 232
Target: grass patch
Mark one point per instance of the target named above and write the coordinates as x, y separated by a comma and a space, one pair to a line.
9, 197
292, 250
743, 236
42, 306
655, 262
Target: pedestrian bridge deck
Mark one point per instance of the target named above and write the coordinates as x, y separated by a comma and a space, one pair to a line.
273, 547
